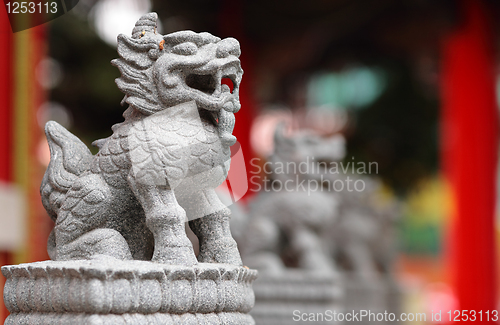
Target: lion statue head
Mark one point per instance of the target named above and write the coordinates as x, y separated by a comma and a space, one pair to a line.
161, 71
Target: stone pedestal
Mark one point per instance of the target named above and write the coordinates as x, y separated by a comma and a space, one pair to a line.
278, 296
376, 296
127, 292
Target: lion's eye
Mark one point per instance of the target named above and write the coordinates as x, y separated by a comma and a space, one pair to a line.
187, 48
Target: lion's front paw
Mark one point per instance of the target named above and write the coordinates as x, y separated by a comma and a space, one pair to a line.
175, 255
174, 250
223, 250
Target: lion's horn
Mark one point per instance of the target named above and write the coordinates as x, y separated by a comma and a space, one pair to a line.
145, 24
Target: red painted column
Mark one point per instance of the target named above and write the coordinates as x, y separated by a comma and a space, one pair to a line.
6, 80
231, 19
20, 96
470, 146
6, 101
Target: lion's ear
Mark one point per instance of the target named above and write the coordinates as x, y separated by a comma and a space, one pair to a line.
136, 51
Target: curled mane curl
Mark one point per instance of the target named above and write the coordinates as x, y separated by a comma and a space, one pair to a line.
137, 57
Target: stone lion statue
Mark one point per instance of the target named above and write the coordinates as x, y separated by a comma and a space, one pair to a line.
318, 226
161, 165
286, 222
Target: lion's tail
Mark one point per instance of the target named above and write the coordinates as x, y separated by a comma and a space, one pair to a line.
69, 158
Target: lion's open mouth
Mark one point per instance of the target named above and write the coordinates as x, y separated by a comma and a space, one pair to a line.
215, 87
211, 78
210, 84
203, 83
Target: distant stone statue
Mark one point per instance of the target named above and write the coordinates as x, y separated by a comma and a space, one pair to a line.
285, 235
127, 205
304, 219
363, 238
311, 228
287, 220
161, 165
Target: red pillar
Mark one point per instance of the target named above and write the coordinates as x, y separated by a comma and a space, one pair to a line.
20, 97
470, 145
6, 81
231, 24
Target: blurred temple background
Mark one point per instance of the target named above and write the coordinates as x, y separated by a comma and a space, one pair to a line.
412, 85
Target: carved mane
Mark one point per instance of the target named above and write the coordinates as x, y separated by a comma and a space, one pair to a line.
137, 57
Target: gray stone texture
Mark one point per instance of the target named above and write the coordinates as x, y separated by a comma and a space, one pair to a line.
119, 246
161, 165
127, 292
279, 295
